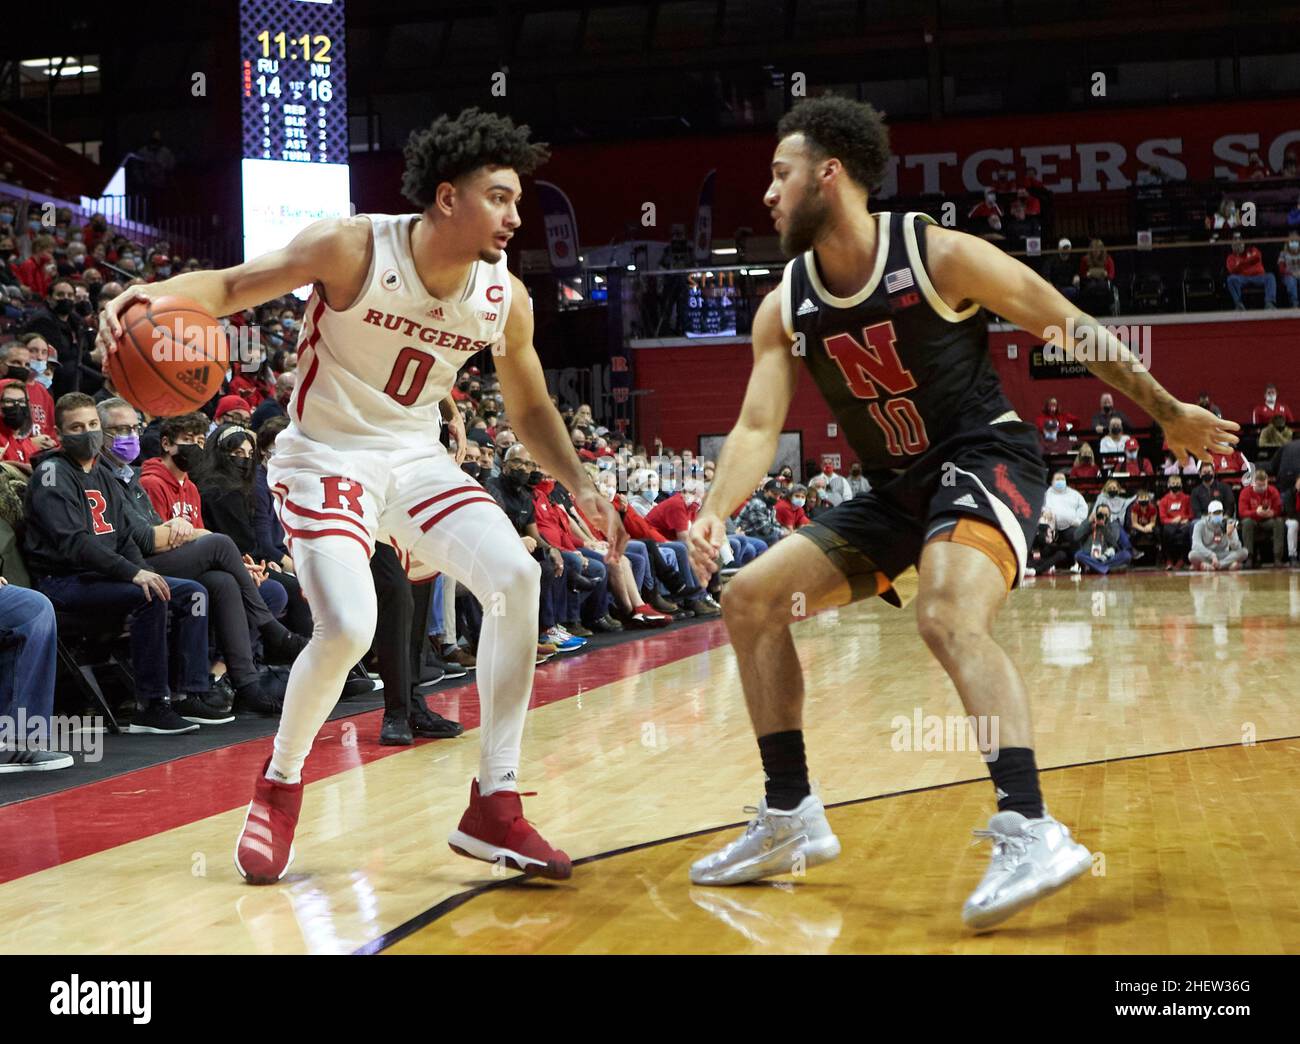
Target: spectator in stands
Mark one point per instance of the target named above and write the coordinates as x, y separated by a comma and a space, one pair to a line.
1143, 527
758, 516
1114, 441
513, 490
1102, 418
232, 409
1085, 464
1067, 505
1224, 219
643, 485
1112, 495
1211, 489
994, 233
1103, 545
1132, 464
31, 352
1051, 440
1095, 280
1065, 420
588, 572
253, 380
1293, 216
19, 443
1050, 549
1020, 225
786, 476
1263, 414
1288, 267
1215, 543
1260, 511
67, 333
1230, 464
833, 488
1149, 175
88, 554
981, 212
1253, 169
1190, 466
28, 655
858, 482
579, 438
1062, 270
1246, 268
790, 508
671, 518
1176, 516
1273, 437
1203, 401
277, 406
184, 548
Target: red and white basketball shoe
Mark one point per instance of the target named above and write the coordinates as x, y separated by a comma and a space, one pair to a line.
494, 830
265, 847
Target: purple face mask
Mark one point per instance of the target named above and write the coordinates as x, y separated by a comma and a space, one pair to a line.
127, 447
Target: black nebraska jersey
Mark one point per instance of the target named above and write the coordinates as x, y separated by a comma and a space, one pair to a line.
900, 370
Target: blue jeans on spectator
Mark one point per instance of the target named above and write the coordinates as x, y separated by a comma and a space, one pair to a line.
554, 594
675, 551
584, 605
1268, 281
745, 548
598, 604
1119, 561
435, 607
639, 558
28, 653
275, 596
1288, 281
94, 597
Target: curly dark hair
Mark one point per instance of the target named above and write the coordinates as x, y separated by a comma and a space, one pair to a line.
850, 131
451, 148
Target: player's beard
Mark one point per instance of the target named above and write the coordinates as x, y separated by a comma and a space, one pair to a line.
804, 224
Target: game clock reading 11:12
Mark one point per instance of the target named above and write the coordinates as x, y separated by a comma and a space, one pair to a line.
294, 88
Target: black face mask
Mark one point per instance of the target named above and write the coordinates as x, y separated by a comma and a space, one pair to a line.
534, 477
243, 466
1102, 519
83, 307
16, 416
187, 455
62, 307
471, 469
85, 446
516, 475
19, 373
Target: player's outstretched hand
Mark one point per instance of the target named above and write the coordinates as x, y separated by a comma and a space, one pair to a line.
1199, 432
707, 535
602, 512
110, 317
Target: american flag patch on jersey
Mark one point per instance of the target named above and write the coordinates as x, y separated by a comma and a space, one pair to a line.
899, 280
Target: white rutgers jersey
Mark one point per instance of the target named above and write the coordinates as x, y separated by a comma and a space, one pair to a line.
370, 377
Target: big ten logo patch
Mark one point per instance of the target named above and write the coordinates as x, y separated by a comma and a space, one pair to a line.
342, 494
390, 280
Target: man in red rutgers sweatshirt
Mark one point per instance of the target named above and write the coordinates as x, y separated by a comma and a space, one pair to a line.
1260, 510
166, 479
1246, 268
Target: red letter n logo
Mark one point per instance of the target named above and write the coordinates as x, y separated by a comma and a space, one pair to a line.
875, 363
337, 490
98, 505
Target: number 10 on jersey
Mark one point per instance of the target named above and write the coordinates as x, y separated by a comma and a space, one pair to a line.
872, 364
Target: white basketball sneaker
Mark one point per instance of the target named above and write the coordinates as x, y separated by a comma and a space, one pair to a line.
1031, 858
773, 843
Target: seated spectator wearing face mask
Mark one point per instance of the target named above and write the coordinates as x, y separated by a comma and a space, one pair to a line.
1288, 267
1102, 418
231, 409
663, 556
587, 569
671, 519
1085, 464
1260, 511
858, 482
643, 485
1114, 441
1175, 512
758, 516
1215, 543
832, 487
1067, 505
31, 353
790, 508
1114, 497
184, 548
1051, 548
1052, 441
19, 443
253, 381
88, 552
1143, 523
277, 406
1103, 545
1211, 488
1132, 464
1264, 413
67, 333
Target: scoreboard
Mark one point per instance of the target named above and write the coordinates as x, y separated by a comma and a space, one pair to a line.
293, 84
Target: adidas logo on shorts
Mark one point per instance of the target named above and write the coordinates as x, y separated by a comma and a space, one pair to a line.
965, 500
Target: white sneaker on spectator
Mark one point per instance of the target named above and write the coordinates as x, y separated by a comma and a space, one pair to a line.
1030, 572
14, 760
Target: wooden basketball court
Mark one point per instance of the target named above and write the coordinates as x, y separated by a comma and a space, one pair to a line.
1168, 727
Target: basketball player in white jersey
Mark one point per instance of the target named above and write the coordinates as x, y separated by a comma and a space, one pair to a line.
399, 303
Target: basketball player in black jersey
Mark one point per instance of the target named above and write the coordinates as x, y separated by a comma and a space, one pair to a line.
886, 312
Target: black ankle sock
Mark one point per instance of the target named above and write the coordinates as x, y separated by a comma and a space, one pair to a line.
1015, 776
786, 769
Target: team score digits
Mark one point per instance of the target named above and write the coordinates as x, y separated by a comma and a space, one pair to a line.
872, 364
423, 364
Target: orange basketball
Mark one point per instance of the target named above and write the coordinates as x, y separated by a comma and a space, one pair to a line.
171, 357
